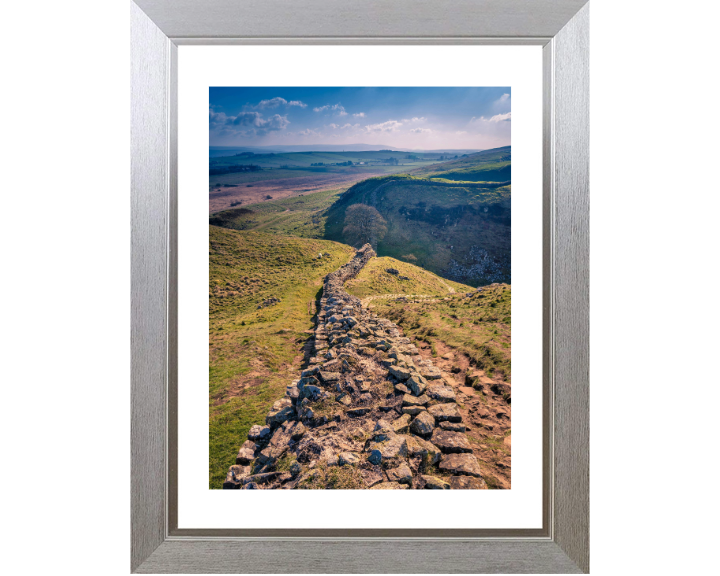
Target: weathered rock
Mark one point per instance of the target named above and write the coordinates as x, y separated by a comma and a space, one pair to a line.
452, 426
400, 373
260, 478
393, 447
402, 424
417, 384
360, 411
460, 464
297, 431
423, 424
348, 458
234, 477
445, 412
260, 434
402, 389
311, 392
246, 454
372, 476
375, 457
435, 483
419, 448
389, 486
280, 412
269, 456
441, 393
467, 483
413, 410
329, 377
401, 474
410, 400
450, 442
430, 372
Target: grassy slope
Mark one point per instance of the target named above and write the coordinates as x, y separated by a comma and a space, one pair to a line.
375, 280
432, 224
477, 325
254, 352
487, 166
301, 215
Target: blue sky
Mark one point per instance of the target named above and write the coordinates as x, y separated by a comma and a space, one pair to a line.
423, 118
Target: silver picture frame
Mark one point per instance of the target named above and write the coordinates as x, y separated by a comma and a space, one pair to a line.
561, 27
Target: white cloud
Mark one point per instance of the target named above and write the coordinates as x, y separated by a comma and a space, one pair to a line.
308, 132
275, 102
247, 123
389, 126
359, 115
504, 97
500, 118
460, 132
497, 118
338, 109
421, 130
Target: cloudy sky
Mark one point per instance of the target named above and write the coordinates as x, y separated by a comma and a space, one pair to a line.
424, 118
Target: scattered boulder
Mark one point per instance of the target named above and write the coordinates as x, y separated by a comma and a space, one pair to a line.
434, 483
460, 464
389, 486
423, 424
467, 483
348, 458
445, 412
401, 474
450, 442
246, 453
259, 434
281, 411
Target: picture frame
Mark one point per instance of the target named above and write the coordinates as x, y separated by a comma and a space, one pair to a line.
158, 27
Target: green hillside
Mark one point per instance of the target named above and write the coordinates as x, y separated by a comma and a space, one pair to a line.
302, 215
256, 344
458, 230
374, 279
476, 324
486, 166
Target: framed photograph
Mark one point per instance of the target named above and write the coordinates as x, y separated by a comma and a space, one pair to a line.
355, 229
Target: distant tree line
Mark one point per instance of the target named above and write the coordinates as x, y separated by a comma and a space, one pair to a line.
234, 168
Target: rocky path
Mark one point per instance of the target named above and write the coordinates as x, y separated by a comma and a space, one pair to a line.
368, 412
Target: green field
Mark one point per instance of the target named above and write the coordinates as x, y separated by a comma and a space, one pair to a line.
254, 352
303, 215
374, 279
487, 166
477, 325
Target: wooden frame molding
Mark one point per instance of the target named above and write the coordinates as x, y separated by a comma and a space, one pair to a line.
157, 28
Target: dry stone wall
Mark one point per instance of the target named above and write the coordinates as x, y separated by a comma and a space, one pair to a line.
368, 412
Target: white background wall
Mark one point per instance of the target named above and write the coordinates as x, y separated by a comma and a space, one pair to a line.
64, 107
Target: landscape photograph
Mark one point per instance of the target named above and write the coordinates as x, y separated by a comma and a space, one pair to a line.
360, 288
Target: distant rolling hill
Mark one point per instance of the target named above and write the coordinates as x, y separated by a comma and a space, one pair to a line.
486, 166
